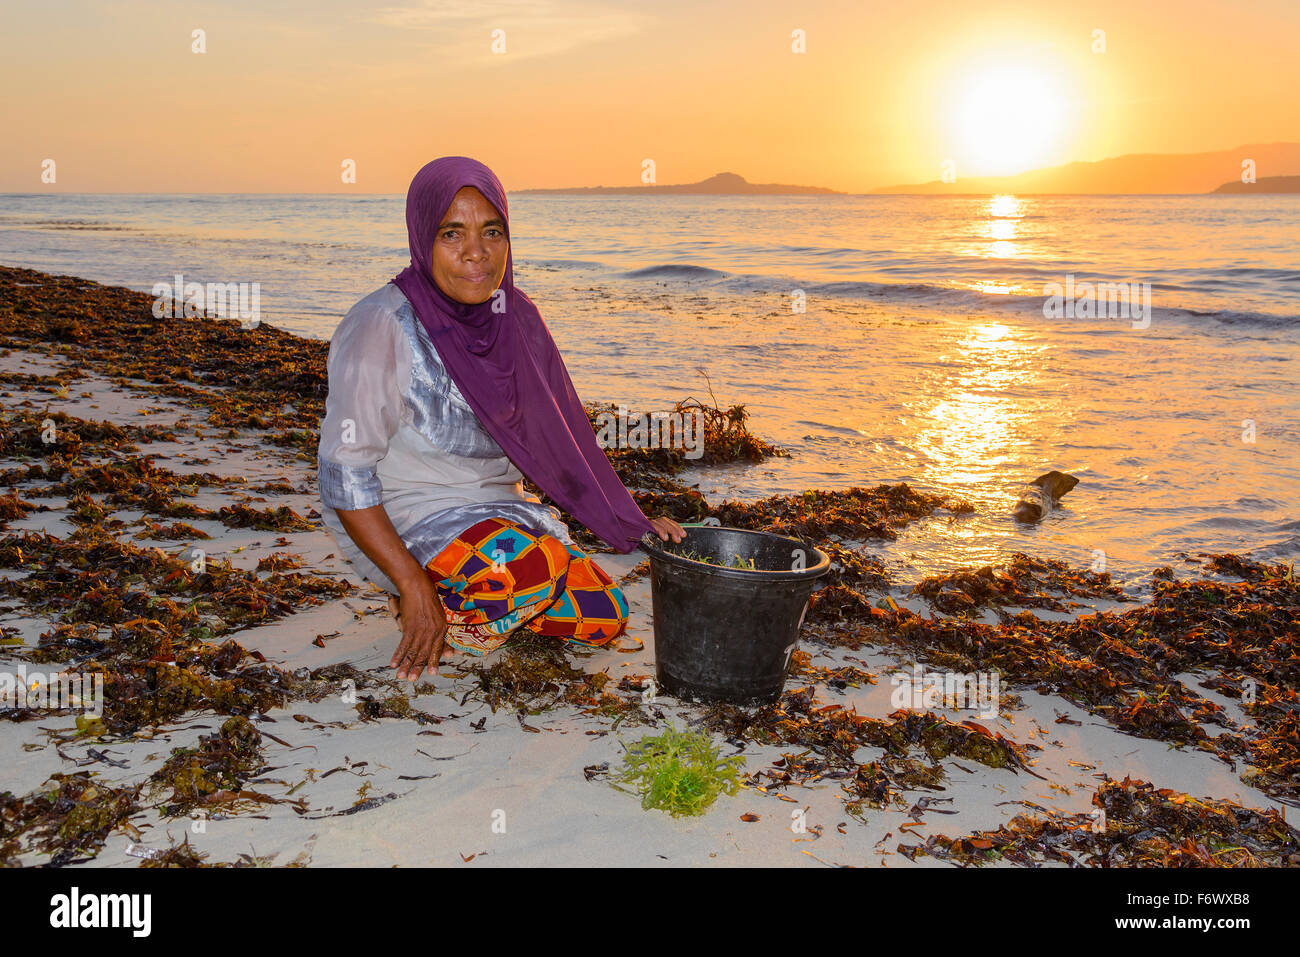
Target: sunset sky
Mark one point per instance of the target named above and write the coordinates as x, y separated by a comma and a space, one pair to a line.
586, 90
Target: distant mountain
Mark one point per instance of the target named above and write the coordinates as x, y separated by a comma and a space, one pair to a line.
1135, 173
721, 184
1266, 184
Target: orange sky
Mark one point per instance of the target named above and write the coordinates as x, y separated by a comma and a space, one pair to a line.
584, 92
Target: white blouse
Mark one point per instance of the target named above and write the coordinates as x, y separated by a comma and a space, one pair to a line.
398, 432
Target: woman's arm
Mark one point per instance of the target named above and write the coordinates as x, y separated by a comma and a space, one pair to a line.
424, 626
366, 361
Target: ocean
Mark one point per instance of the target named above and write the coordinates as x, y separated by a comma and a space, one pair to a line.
877, 338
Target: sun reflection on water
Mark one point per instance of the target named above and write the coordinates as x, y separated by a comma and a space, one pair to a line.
975, 428
973, 433
1001, 229
1006, 207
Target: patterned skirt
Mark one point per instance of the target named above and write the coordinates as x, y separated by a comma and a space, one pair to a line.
497, 576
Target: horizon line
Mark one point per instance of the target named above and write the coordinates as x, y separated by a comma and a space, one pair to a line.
874, 193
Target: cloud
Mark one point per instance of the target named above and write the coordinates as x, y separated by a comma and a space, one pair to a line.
533, 27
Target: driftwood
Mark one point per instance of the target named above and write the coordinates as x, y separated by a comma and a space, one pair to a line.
1040, 496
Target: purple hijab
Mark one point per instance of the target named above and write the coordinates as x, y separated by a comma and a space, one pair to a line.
508, 369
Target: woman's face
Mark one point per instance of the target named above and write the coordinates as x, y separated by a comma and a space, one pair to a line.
469, 252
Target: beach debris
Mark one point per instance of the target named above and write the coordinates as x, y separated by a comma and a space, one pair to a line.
152, 627
720, 435
1023, 582
1041, 496
395, 706
280, 562
215, 771
183, 854
839, 678
831, 736
69, 818
531, 675
365, 804
1134, 824
836, 733
678, 771
12, 507
1121, 665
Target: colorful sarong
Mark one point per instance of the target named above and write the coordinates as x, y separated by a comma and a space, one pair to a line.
497, 576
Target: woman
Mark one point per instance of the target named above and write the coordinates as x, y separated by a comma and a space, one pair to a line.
445, 389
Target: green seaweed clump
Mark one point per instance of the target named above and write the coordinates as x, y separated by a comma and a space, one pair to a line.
679, 772
215, 771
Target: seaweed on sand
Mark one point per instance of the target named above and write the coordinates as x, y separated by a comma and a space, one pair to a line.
799, 718
855, 513
185, 855
261, 378
148, 623
50, 434
531, 674
69, 819
215, 771
1124, 665
395, 706
832, 736
1023, 581
842, 597
182, 855
1135, 825
12, 507
844, 676
678, 771
281, 519
724, 438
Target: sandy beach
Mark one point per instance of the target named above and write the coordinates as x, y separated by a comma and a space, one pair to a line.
344, 765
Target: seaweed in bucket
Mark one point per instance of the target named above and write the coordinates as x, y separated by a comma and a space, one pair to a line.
693, 555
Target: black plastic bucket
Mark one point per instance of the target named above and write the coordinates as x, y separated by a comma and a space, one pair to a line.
727, 633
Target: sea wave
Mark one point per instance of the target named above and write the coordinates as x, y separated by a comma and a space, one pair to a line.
951, 295
676, 271
80, 224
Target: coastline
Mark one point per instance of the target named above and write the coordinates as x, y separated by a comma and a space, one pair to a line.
227, 417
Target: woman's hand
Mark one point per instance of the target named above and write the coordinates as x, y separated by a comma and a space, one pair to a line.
419, 611
424, 626
665, 527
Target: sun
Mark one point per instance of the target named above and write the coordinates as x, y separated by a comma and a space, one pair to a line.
1008, 119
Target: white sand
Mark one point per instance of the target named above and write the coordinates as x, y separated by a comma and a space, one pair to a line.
533, 783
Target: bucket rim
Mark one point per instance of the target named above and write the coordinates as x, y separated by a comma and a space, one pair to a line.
654, 548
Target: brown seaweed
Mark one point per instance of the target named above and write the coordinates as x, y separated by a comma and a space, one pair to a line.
1023, 581
69, 819
1135, 825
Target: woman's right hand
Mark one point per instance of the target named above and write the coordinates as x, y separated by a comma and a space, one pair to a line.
424, 628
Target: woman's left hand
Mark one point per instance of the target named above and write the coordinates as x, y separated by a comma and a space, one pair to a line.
665, 527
